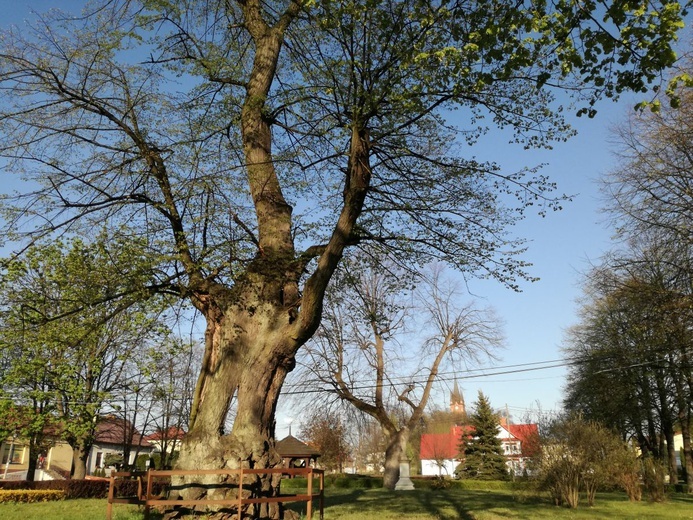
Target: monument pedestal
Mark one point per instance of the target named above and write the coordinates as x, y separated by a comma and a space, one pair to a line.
404, 482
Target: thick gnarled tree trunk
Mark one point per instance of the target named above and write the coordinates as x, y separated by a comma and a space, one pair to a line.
249, 350
256, 326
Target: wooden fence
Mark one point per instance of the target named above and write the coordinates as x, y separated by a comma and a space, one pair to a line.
146, 498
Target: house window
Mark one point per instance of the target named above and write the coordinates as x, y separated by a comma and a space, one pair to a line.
13, 453
99, 459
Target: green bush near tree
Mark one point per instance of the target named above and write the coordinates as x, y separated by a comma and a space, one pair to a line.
654, 479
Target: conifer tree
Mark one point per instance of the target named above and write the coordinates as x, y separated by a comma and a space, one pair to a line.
481, 448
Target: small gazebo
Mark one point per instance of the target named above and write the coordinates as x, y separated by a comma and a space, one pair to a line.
296, 454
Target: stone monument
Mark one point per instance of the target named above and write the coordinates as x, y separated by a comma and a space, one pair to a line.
404, 482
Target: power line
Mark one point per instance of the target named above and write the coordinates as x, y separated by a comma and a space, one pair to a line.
445, 376
476, 373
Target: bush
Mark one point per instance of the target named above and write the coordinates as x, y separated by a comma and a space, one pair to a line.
628, 472
141, 461
527, 490
440, 483
15, 484
335, 481
87, 488
584, 456
678, 488
113, 459
477, 485
653, 478
76, 488
484, 485
353, 482
29, 496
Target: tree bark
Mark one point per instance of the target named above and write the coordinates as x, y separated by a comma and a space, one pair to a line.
671, 454
80, 455
667, 427
34, 452
249, 350
682, 382
687, 459
396, 448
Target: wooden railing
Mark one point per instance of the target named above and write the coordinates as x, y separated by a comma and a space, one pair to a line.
146, 498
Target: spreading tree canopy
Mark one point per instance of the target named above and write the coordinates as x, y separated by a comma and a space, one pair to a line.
251, 144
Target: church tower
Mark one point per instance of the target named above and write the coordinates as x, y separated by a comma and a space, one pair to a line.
457, 400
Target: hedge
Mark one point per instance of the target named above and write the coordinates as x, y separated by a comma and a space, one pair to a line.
69, 488
340, 481
467, 484
30, 495
82, 488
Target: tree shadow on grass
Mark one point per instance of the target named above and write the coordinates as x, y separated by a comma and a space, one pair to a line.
465, 505
333, 499
441, 504
453, 504
444, 505
376, 502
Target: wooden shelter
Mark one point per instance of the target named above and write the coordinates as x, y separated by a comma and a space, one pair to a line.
296, 454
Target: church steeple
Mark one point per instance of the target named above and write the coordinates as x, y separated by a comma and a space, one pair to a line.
457, 400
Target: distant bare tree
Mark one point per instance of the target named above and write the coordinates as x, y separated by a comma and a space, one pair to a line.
365, 356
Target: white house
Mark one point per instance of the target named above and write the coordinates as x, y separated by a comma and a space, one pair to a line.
440, 452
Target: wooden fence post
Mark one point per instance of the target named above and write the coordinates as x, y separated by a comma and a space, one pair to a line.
309, 506
148, 496
240, 493
109, 507
322, 494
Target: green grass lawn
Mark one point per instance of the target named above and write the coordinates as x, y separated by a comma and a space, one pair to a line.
377, 504
78, 509
449, 504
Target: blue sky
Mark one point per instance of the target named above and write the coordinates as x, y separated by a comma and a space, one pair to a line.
562, 246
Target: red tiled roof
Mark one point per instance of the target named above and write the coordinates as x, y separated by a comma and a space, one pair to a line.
438, 446
528, 435
523, 431
446, 445
442, 445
